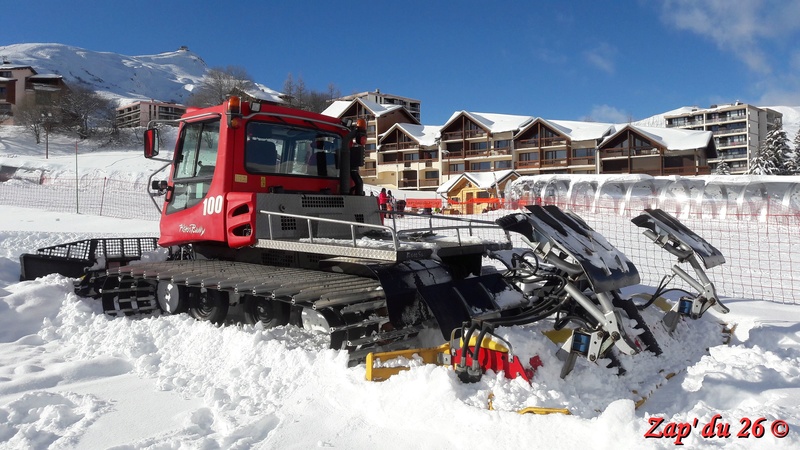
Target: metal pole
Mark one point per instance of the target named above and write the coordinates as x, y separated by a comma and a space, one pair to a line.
77, 209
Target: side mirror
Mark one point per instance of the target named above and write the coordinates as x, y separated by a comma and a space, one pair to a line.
159, 185
151, 143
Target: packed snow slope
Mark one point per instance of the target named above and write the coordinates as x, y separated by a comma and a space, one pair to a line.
71, 377
168, 76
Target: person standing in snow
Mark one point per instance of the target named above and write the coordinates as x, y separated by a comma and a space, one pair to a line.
382, 198
390, 200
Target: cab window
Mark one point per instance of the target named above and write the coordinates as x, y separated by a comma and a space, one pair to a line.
195, 162
282, 149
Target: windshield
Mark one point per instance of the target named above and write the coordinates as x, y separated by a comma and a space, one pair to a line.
195, 162
283, 149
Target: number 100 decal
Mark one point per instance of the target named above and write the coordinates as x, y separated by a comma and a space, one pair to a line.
212, 205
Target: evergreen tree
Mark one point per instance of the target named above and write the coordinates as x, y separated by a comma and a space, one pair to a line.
778, 147
796, 157
763, 163
774, 155
722, 169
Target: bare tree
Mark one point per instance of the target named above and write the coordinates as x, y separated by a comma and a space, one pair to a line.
83, 110
310, 100
218, 84
36, 118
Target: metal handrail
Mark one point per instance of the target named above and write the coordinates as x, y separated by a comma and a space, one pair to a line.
471, 225
352, 225
482, 224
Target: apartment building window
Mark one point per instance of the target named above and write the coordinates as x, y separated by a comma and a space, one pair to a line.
370, 147
555, 154
456, 167
410, 156
480, 166
5, 74
483, 145
502, 144
371, 129
582, 152
433, 174
455, 147
502, 164
677, 122
529, 156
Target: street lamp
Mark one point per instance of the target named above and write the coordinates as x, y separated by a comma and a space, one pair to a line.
46, 119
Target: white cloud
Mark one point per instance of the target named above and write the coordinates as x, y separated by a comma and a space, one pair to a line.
602, 57
606, 113
744, 28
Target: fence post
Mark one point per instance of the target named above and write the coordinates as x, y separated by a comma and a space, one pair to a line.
103, 194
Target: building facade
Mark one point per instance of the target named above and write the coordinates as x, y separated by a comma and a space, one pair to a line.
403, 154
21, 84
738, 130
138, 114
411, 105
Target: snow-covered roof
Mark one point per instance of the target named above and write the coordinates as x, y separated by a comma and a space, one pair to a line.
44, 76
482, 180
338, 107
581, 131
494, 123
424, 135
672, 138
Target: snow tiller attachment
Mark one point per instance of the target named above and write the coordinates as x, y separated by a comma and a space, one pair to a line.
592, 272
674, 237
570, 275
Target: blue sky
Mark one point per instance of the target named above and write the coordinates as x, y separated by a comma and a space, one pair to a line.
569, 60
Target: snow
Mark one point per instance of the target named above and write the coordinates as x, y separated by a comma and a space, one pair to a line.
168, 76
71, 377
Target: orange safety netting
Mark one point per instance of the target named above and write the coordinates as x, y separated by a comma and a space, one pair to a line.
423, 203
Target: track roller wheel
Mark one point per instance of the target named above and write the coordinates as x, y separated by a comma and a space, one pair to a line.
208, 305
172, 298
271, 313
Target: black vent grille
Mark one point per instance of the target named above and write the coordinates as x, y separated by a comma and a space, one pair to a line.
359, 218
278, 258
288, 223
322, 201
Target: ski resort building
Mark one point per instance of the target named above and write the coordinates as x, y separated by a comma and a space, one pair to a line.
738, 130
20, 84
413, 106
403, 154
380, 119
138, 114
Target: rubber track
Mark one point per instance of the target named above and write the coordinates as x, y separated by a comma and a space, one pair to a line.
356, 304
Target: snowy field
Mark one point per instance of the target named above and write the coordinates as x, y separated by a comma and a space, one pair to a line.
70, 377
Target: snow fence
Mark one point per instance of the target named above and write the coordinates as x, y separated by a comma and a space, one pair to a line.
753, 221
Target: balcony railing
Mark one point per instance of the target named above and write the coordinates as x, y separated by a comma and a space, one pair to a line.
534, 164
614, 152
395, 146
369, 172
687, 170
561, 162
426, 182
451, 155
729, 131
466, 134
585, 161
645, 151
541, 142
